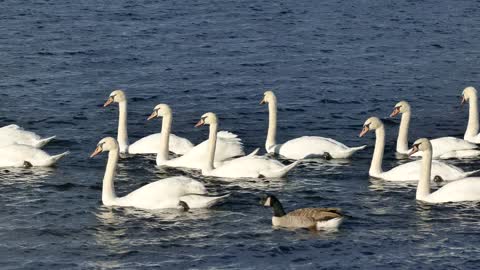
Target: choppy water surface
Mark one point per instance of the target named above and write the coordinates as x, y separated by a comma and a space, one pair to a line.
332, 65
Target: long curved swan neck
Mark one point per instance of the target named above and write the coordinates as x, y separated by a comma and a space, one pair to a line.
402, 140
212, 144
376, 165
423, 188
165, 136
122, 136
272, 125
472, 127
108, 189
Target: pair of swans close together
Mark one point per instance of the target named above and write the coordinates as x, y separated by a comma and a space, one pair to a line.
21, 148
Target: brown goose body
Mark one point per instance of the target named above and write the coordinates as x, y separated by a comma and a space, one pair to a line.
312, 218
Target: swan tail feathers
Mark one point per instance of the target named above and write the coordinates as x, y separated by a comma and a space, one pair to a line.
470, 173
43, 142
352, 150
56, 158
254, 153
283, 171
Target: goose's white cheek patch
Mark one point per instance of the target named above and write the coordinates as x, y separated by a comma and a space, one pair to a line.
267, 202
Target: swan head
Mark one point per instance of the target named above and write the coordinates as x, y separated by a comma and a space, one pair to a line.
422, 144
468, 93
160, 110
400, 107
268, 97
207, 119
105, 145
116, 96
372, 123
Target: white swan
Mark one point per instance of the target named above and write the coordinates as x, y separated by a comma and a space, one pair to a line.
229, 145
466, 189
164, 193
409, 171
20, 155
303, 147
443, 148
471, 134
251, 166
12, 134
146, 145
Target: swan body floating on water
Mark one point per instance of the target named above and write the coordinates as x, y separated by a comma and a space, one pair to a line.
146, 145
409, 171
13, 134
303, 147
229, 145
251, 166
165, 193
19, 155
466, 189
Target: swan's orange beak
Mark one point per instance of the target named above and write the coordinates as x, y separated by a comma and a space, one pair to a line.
414, 150
364, 131
153, 115
200, 123
395, 112
463, 100
263, 101
97, 151
108, 102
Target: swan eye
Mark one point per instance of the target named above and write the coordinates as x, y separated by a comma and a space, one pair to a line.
203, 118
367, 125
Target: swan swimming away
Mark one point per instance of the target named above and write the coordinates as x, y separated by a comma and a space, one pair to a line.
20, 155
443, 148
466, 189
165, 193
303, 147
250, 166
409, 171
146, 145
469, 95
229, 145
13, 134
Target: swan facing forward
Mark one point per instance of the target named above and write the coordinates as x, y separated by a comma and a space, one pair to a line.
251, 166
13, 134
469, 95
164, 193
467, 189
443, 148
310, 218
229, 145
146, 145
303, 147
409, 171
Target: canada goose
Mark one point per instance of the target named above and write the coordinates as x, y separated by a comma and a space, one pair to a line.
310, 218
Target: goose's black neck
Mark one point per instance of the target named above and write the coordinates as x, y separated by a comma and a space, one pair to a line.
277, 207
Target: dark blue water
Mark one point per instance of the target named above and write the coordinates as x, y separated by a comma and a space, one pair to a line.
332, 64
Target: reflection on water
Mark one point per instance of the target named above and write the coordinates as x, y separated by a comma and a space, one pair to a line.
34, 174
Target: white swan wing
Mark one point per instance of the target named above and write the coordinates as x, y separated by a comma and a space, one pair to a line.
467, 189
163, 193
16, 154
411, 172
151, 145
311, 146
